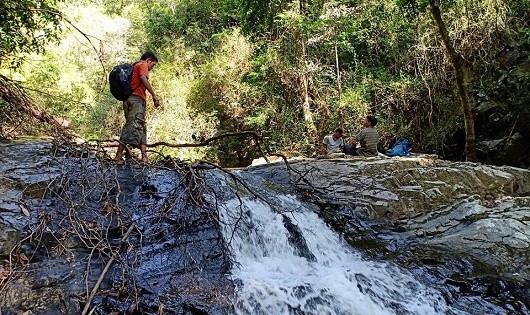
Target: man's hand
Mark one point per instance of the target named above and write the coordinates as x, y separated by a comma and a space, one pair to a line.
156, 101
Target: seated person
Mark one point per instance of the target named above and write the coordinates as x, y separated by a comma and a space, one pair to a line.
367, 138
333, 143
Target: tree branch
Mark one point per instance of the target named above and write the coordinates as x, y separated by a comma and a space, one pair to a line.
254, 134
109, 263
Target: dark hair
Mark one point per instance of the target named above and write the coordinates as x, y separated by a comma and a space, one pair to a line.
372, 120
339, 130
149, 55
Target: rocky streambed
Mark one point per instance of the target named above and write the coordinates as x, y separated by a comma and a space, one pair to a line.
465, 226
79, 235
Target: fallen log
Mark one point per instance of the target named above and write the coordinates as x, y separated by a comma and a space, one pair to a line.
13, 94
255, 135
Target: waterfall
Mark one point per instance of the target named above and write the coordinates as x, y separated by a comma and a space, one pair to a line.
319, 274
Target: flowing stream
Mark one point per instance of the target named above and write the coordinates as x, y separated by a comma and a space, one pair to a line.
304, 267
285, 259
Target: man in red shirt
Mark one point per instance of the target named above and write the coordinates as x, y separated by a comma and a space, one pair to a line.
134, 132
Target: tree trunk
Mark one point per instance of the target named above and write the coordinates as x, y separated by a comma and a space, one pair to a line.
458, 64
339, 88
306, 101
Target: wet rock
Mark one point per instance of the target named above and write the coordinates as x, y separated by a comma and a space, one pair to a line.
464, 224
42, 301
498, 235
9, 237
65, 214
465, 221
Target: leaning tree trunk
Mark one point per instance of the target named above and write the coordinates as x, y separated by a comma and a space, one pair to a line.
13, 94
458, 64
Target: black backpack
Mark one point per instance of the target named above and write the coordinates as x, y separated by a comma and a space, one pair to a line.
120, 81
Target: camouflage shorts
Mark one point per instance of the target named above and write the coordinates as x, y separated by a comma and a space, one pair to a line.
134, 132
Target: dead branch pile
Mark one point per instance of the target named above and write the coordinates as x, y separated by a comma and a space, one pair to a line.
94, 220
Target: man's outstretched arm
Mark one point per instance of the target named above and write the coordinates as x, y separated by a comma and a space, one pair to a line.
148, 86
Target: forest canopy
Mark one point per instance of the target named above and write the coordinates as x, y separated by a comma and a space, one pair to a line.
290, 70
26, 26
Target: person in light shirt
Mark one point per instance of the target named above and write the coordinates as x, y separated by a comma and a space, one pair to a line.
333, 143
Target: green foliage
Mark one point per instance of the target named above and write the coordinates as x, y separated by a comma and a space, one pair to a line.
232, 65
194, 21
69, 79
258, 17
219, 91
25, 27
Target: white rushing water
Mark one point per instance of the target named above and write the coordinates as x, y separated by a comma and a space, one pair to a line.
273, 279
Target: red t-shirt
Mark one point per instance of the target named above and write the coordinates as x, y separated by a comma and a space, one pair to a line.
139, 88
